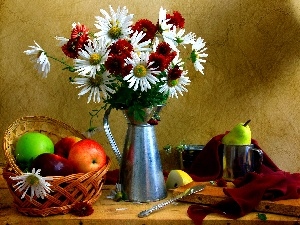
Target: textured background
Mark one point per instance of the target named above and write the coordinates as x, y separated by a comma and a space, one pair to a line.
252, 72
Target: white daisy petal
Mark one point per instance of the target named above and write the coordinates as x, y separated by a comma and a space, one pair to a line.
92, 56
115, 26
95, 86
198, 54
35, 182
62, 40
135, 42
39, 57
141, 80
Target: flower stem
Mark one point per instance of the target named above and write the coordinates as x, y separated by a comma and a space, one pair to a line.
70, 68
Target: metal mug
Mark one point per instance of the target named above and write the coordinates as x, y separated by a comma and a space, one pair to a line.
238, 160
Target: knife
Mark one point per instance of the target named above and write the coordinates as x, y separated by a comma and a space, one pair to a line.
187, 192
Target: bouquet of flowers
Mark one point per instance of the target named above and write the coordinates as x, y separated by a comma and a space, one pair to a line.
127, 65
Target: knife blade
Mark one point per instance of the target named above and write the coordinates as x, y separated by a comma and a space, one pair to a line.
187, 192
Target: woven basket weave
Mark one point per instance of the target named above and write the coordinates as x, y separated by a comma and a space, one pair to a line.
66, 190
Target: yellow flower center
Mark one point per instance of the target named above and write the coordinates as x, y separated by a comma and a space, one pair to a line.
172, 83
97, 81
140, 71
95, 59
115, 32
32, 180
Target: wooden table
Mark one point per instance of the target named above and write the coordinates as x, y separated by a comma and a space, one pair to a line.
109, 212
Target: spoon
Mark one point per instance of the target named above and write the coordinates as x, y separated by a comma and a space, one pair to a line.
189, 191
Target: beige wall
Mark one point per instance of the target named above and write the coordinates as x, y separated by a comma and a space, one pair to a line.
252, 72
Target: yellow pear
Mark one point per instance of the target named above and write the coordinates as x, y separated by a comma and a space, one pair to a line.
239, 135
177, 178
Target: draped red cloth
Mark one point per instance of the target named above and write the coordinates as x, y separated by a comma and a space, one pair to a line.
270, 183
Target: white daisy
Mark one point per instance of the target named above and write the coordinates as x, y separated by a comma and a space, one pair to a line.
92, 56
38, 184
39, 57
197, 55
95, 85
174, 86
155, 43
141, 74
62, 40
178, 61
139, 47
174, 38
115, 26
162, 20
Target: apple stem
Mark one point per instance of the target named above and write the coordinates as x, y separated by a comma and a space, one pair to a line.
245, 124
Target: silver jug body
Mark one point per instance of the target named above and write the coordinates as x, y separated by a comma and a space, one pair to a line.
141, 173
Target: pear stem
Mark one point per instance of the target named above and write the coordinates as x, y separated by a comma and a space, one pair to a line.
245, 124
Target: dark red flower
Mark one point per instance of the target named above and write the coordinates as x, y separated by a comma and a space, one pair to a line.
152, 121
115, 64
174, 73
71, 49
163, 48
79, 37
126, 70
147, 27
82, 209
159, 61
121, 48
171, 56
80, 34
176, 19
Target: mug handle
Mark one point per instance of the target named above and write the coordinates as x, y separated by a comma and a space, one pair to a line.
259, 157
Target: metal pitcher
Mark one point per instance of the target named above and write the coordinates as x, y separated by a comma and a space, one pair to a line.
238, 160
141, 175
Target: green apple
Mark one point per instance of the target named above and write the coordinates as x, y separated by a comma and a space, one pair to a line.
29, 146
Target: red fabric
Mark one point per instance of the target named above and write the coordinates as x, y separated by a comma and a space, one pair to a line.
112, 177
207, 165
270, 183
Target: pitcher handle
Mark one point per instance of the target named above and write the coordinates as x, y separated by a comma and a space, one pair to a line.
110, 137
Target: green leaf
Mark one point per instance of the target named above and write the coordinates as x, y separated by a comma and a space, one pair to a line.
262, 216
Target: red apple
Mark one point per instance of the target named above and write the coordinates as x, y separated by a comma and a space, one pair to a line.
52, 165
87, 155
63, 146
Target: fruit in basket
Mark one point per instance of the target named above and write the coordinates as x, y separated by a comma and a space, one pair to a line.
63, 146
177, 178
87, 155
29, 146
239, 135
52, 165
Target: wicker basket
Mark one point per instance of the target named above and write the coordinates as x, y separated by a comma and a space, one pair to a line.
66, 190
